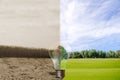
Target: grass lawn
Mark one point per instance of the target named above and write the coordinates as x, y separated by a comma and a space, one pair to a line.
92, 69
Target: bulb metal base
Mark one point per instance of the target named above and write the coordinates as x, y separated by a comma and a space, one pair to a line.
60, 74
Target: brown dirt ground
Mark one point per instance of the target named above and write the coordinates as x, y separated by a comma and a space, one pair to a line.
26, 69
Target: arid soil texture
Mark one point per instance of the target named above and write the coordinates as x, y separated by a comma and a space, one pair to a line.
26, 69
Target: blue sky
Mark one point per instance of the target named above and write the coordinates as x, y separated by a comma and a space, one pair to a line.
90, 24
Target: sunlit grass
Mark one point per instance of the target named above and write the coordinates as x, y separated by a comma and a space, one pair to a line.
92, 69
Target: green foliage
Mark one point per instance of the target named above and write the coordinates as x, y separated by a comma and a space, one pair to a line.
95, 54
118, 54
63, 53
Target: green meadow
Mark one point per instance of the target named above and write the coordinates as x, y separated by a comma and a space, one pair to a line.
92, 69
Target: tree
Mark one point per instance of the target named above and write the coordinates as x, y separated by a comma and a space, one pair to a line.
118, 53
111, 54
101, 54
72, 55
77, 55
95, 54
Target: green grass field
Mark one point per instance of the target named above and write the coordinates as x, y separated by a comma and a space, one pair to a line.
92, 69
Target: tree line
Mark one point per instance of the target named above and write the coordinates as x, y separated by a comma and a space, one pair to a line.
95, 54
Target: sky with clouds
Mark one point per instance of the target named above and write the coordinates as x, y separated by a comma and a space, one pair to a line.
90, 24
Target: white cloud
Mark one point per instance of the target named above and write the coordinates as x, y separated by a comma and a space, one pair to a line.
87, 19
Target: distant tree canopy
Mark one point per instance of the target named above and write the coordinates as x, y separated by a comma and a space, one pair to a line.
95, 54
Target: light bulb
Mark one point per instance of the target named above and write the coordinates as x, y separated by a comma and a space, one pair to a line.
55, 59
57, 56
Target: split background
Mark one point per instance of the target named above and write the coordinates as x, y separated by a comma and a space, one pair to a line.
75, 24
